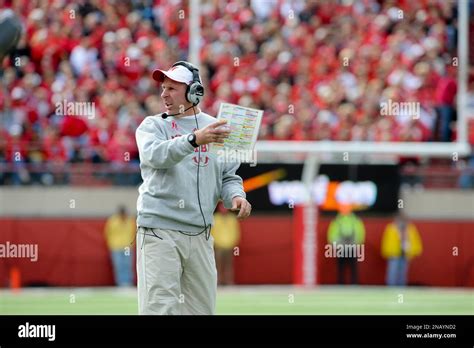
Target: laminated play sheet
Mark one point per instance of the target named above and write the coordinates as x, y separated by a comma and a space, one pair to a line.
244, 124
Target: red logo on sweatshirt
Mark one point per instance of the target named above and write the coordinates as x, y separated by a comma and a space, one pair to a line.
201, 159
174, 125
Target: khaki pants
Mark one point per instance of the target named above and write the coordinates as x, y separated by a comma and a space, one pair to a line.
176, 273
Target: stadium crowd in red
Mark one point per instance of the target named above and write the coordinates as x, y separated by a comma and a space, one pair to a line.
319, 69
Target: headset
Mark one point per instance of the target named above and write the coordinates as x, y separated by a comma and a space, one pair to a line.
195, 90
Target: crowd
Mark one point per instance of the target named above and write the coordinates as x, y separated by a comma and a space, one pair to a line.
319, 69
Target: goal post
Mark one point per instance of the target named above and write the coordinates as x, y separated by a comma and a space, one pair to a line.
194, 31
423, 149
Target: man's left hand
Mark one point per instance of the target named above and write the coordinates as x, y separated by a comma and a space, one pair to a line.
241, 205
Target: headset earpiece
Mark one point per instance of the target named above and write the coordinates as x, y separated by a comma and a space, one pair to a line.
195, 90
195, 93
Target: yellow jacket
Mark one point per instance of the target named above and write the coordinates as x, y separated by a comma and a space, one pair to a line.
226, 231
392, 245
119, 233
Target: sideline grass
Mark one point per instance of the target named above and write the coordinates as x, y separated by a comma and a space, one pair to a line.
287, 300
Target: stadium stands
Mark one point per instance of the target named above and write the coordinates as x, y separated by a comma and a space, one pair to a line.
323, 67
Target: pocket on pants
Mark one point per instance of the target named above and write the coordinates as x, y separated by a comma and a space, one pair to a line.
161, 263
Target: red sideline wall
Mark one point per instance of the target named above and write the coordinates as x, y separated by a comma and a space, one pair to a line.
74, 253
267, 246
70, 252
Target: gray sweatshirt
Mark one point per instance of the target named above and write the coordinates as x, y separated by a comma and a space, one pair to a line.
168, 196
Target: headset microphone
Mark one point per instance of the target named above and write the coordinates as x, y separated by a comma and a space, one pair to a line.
165, 115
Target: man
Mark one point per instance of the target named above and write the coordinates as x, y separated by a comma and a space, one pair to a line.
346, 230
119, 230
401, 242
182, 183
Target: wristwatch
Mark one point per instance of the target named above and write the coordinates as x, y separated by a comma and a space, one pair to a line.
192, 139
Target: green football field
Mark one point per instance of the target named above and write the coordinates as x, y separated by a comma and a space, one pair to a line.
252, 300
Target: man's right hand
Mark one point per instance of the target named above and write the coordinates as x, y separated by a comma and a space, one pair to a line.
212, 133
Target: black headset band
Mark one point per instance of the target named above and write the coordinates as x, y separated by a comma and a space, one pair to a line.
190, 67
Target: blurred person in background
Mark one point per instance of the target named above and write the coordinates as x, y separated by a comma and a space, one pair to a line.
466, 179
401, 242
445, 95
346, 229
119, 232
226, 233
